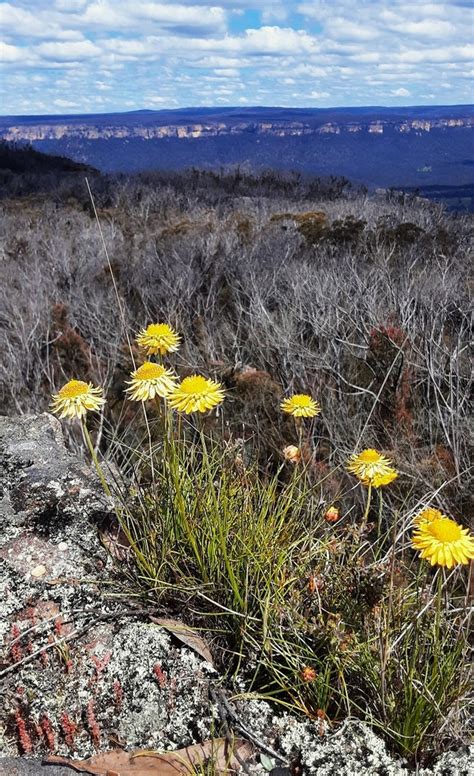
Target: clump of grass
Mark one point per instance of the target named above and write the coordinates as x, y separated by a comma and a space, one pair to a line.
214, 531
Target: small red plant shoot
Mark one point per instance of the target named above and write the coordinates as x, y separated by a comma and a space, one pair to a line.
68, 728
23, 737
100, 664
16, 652
160, 675
92, 723
48, 733
118, 695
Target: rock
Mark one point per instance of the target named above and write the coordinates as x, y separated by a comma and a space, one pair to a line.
41, 482
14, 766
50, 505
123, 681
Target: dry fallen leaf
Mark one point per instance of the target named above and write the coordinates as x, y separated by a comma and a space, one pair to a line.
187, 635
178, 763
115, 541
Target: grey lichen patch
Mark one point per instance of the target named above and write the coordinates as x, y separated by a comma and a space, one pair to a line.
458, 763
352, 749
140, 689
165, 689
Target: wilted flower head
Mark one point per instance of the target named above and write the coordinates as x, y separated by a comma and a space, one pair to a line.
76, 398
315, 582
372, 468
292, 453
300, 405
443, 542
150, 380
196, 394
332, 514
308, 674
158, 338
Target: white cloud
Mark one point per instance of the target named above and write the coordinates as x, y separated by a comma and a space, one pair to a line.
319, 95
65, 103
400, 92
275, 40
218, 61
428, 28
68, 52
70, 5
343, 29
312, 71
10, 53
123, 14
22, 22
227, 72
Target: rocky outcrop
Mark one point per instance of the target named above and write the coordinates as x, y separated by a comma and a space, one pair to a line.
93, 131
86, 671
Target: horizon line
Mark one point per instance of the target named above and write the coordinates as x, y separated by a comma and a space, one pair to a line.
239, 107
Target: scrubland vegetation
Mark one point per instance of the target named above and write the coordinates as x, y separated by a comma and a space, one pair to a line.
277, 286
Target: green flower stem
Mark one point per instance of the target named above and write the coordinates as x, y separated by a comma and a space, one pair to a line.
299, 431
87, 437
379, 520
437, 624
367, 509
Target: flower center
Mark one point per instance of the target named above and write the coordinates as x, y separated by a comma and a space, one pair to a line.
195, 384
158, 330
301, 400
369, 456
445, 530
149, 371
73, 389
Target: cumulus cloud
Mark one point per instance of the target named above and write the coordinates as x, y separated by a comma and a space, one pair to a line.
68, 52
10, 53
400, 92
427, 28
21, 21
122, 14
276, 40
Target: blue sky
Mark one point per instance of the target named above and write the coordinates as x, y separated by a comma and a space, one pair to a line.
95, 56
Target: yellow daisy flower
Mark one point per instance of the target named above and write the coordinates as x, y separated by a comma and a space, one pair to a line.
300, 405
196, 394
443, 542
150, 380
76, 398
379, 480
158, 338
372, 468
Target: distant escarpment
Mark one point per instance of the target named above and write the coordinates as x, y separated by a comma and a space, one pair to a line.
423, 148
199, 123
